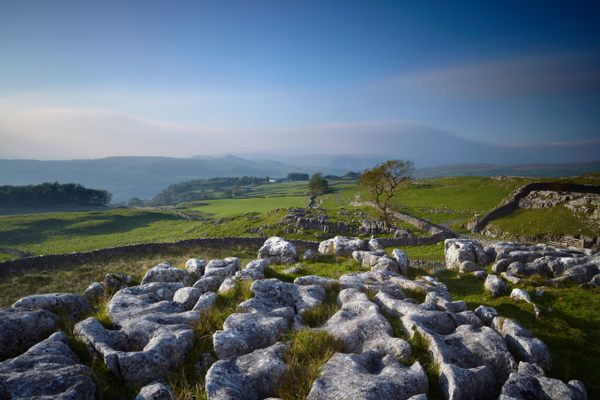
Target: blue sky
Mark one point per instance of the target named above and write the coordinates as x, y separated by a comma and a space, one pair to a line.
85, 79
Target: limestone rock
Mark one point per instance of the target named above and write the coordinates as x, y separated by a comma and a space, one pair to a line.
94, 292
342, 246
402, 260
166, 273
222, 268
522, 342
21, 329
457, 251
486, 314
48, 370
227, 285
278, 251
375, 245
275, 308
195, 267
187, 297
113, 282
326, 283
361, 327
155, 391
249, 377
209, 283
530, 383
495, 285
205, 302
370, 375
520, 295
254, 270
73, 305
469, 266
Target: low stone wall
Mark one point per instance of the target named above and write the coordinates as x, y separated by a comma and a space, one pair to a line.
55, 261
437, 232
512, 202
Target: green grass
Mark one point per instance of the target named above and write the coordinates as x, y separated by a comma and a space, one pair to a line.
307, 352
52, 233
330, 267
425, 252
542, 222
317, 316
230, 207
7, 257
455, 200
77, 278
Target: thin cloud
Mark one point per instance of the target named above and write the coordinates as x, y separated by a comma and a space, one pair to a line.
517, 76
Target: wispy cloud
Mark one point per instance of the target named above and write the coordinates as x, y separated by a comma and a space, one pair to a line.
515, 76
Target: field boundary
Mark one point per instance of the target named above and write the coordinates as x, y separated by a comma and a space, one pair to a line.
511, 203
57, 261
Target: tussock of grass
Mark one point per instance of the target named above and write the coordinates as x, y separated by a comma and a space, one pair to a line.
308, 351
185, 382
420, 353
417, 294
317, 316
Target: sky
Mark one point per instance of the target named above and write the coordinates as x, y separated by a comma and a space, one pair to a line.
88, 79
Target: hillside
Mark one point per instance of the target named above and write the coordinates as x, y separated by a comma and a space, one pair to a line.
145, 177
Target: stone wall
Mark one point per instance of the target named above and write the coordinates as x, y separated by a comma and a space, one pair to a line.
512, 202
52, 261
56, 261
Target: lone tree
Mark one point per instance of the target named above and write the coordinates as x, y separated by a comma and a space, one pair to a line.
383, 182
318, 185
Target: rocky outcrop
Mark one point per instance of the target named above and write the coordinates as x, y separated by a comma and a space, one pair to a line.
155, 391
370, 375
166, 273
21, 328
72, 305
361, 327
275, 308
278, 251
530, 382
154, 332
48, 370
522, 342
342, 246
249, 377
495, 285
517, 260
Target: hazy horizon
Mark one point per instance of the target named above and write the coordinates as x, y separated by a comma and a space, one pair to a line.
437, 83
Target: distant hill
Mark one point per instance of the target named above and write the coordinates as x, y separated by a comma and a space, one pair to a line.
145, 177
530, 170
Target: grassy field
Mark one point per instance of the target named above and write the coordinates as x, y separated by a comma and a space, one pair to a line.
449, 201
557, 221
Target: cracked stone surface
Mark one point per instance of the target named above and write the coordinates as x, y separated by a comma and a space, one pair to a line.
249, 377
361, 327
275, 308
278, 251
70, 304
48, 370
22, 328
342, 246
370, 375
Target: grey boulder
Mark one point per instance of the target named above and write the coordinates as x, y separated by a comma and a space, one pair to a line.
166, 273
278, 251
366, 376
249, 377
21, 329
70, 304
48, 370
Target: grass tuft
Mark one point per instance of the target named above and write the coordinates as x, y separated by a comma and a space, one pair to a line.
317, 316
308, 351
